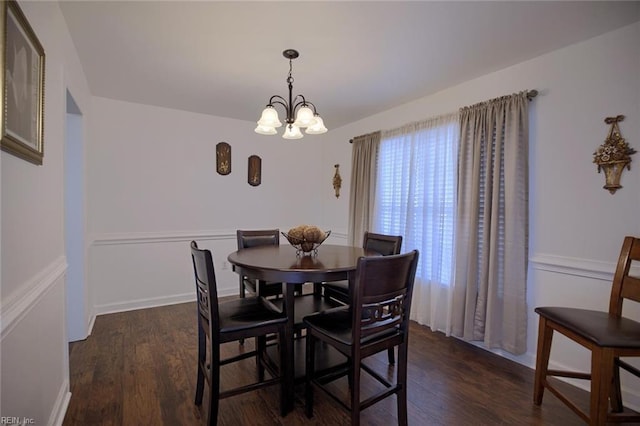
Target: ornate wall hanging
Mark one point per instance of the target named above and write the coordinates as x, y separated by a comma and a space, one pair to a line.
255, 171
223, 158
613, 155
337, 180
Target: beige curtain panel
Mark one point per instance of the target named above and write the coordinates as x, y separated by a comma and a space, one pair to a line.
489, 300
363, 186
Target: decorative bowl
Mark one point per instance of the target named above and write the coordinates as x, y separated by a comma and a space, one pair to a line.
303, 246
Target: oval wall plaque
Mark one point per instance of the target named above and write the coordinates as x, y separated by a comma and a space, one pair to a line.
223, 158
255, 171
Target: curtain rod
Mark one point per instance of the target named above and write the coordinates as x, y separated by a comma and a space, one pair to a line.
530, 95
361, 136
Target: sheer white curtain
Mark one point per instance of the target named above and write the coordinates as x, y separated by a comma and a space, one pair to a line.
416, 198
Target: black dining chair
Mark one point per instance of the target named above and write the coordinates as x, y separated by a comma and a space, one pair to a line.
230, 321
255, 238
380, 243
377, 319
609, 336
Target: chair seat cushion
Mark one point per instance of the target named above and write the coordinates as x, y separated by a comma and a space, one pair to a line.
599, 327
242, 314
336, 324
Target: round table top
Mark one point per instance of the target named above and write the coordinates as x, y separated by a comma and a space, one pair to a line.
281, 263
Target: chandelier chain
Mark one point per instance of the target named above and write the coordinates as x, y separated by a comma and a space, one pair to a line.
290, 78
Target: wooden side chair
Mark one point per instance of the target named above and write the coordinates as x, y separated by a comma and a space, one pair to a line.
383, 244
608, 335
377, 319
220, 323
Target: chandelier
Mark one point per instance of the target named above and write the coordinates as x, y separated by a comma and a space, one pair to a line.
298, 111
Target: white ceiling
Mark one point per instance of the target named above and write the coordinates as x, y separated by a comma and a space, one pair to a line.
356, 58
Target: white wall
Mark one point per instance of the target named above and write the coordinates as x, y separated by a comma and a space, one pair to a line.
153, 186
34, 368
576, 227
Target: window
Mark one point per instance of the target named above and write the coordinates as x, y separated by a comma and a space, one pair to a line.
416, 198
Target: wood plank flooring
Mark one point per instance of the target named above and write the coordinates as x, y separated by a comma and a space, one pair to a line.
139, 367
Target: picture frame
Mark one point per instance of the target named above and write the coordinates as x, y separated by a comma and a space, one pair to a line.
22, 73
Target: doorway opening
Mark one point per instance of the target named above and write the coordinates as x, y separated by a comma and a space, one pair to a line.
74, 224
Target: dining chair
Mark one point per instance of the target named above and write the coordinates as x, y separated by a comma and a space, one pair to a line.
230, 321
608, 335
377, 319
254, 238
380, 243
383, 244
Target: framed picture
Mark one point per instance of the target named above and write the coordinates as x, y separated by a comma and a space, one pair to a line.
22, 93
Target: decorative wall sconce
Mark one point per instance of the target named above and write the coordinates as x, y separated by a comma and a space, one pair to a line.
613, 155
337, 180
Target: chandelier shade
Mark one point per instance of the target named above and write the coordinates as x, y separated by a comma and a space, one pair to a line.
269, 118
316, 128
292, 131
265, 130
300, 113
304, 117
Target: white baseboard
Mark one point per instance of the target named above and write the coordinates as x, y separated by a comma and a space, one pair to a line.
144, 303
61, 405
152, 302
92, 321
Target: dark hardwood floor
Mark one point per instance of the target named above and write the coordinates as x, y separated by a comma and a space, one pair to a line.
139, 367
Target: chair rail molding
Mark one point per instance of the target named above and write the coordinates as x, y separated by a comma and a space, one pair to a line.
19, 303
587, 268
159, 237
103, 239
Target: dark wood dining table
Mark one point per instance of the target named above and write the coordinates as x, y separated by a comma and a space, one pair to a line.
283, 264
